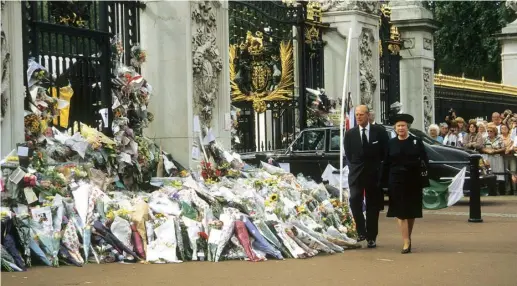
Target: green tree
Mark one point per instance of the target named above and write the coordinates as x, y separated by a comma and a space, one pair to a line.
466, 42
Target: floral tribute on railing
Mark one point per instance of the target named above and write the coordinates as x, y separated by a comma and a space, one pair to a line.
73, 199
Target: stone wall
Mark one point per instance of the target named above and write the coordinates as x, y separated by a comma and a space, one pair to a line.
11, 126
182, 66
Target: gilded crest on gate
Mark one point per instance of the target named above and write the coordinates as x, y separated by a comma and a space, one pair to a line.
258, 74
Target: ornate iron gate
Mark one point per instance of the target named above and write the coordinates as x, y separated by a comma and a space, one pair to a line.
389, 47
72, 40
267, 40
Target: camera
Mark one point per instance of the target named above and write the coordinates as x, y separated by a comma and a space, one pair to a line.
451, 113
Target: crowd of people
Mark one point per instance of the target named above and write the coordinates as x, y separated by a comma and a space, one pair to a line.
495, 140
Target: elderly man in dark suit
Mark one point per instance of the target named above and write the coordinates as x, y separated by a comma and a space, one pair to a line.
365, 147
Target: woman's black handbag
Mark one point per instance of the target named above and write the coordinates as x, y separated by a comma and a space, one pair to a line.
424, 175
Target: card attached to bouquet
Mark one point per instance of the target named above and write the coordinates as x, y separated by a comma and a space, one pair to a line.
30, 196
23, 151
43, 216
17, 176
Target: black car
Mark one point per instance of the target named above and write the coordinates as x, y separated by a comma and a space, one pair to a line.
315, 148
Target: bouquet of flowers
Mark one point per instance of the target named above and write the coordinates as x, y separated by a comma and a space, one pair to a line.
163, 249
138, 56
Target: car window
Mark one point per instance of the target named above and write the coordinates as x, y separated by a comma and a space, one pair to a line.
310, 140
422, 135
334, 140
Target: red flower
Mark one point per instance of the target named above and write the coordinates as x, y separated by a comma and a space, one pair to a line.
218, 173
203, 235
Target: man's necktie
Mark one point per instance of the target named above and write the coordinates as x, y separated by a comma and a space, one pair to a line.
364, 138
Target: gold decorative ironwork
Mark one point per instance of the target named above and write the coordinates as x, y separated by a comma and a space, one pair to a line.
311, 34
386, 10
314, 12
394, 43
255, 77
471, 84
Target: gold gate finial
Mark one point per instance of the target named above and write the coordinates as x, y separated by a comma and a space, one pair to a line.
314, 12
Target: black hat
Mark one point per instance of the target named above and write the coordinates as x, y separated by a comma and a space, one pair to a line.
402, 117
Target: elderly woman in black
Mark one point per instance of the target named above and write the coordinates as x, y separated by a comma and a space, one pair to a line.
402, 172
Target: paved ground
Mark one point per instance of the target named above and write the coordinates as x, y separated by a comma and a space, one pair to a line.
446, 251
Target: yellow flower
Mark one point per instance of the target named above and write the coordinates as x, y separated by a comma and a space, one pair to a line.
300, 209
274, 197
110, 215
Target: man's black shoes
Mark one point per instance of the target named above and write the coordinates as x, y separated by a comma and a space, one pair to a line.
372, 244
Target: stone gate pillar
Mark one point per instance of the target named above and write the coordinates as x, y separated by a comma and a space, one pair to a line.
416, 26
508, 39
187, 65
364, 71
13, 91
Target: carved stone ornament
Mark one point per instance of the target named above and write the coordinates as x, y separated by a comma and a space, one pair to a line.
346, 5
428, 44
512, 4
206, 58
367, 81
428, 100
5, 69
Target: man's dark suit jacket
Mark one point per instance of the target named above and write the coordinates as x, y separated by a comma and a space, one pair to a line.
365, 162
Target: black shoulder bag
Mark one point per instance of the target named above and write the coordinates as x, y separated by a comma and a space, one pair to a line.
423, 169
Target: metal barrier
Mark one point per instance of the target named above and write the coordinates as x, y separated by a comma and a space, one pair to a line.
475, 188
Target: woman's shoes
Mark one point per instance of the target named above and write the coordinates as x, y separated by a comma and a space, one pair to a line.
406, 250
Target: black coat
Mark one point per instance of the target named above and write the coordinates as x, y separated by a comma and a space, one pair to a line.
365, 163
402, 172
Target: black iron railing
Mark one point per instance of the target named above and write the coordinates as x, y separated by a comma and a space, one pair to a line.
271, 130
470, 103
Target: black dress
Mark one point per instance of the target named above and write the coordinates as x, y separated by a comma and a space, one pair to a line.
402, 171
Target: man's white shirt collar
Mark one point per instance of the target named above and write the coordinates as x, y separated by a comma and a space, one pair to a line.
367, 132
367, 127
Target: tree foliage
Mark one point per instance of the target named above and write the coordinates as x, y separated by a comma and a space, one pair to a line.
466, 42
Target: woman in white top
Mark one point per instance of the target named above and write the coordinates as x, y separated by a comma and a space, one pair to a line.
454, 137
493, 149
482, 130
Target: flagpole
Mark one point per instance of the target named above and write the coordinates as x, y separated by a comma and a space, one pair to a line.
342, 122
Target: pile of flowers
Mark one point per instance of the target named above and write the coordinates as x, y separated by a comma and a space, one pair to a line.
69, 214
75, 198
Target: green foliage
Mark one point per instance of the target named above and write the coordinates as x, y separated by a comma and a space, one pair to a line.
466, 41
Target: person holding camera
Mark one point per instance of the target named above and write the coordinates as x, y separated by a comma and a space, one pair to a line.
453, 137
450, 117
507, 115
